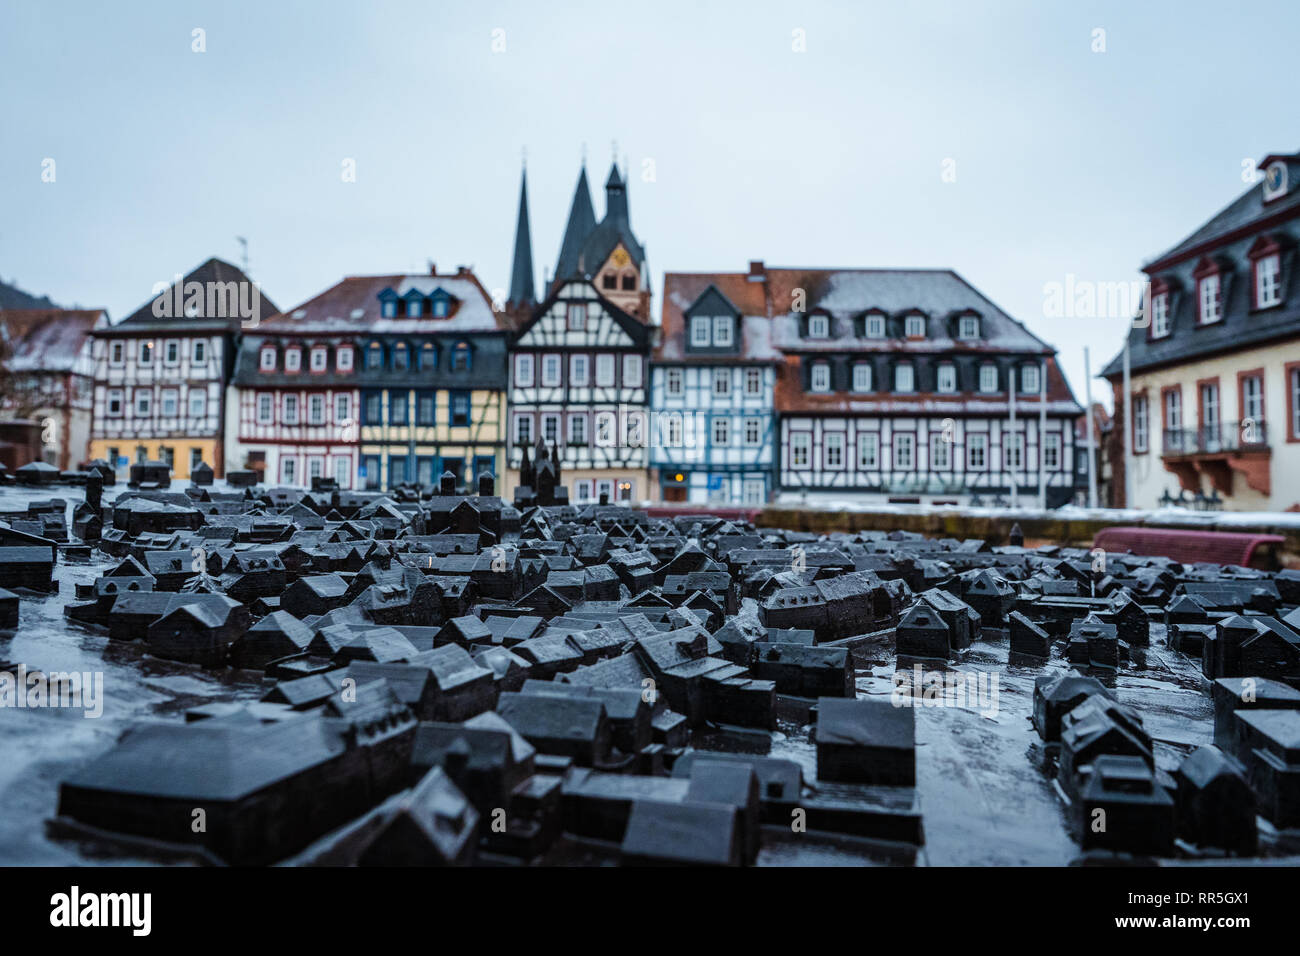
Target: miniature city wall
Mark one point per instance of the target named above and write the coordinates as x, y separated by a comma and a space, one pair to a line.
1037, 528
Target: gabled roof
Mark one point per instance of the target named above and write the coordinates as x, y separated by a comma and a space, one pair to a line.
353, 306
635, 328
210, 275
49, 340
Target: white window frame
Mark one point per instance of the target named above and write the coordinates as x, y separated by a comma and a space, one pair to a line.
172, 352
722, 331
904, 452
1014, 451
968, 327
914, 327
117, 353
524, 370
753, 432
199, 352
1029, 379
868, 451
292, 359
526, 421
143, 403
320, 359
720, 431
577, 429
721, 382
288, 401
674, 380
579, 371
604, 370
904, 378
1252, 406
819, 326
833, 450
701, 331
145, 353
632, 371
342, 407
946, 378
988, 378
169, 396
552, 370
753, 381
267, 361
549, 438
1052, 451
1160, 315
1173, 411
819, 378
115, 396
977, 451
800, 449
1141, 424
576, 317
265, 409
940, 453
1208, 294
343, 359
874, 327
862, 377
315, 409
1268, 281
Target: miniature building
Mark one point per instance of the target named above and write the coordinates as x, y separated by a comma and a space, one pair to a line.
1121, 808
865, 741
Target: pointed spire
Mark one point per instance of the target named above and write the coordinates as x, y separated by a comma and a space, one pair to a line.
615, 196
522, 290
582, 220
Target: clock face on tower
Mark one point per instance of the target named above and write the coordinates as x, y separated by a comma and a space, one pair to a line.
1274, 180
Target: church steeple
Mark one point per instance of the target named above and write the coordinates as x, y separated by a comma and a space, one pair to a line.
522, 290
582, 220
615, 196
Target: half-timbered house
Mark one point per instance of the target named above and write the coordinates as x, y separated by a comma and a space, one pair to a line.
712, 383
377, 381
578, 373
909, 386
161, 373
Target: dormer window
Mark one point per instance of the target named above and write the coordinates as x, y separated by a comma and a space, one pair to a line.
1209, 295
819, 326
1159, 315
1266, 266
700, 325
988, 377
428, 357
968, 327
874, 325
267, 363
374, 356
904, 377
946, 378
862, 377
319, 359
292, 360
460, 357
401, 357
343, 362
1029, 381
414, 307
389, 309
914, 327
440, 304
722, 331
820, 378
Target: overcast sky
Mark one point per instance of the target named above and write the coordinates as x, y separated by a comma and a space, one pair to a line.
1067, 161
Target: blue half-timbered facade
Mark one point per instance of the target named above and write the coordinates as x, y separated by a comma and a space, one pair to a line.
712, 381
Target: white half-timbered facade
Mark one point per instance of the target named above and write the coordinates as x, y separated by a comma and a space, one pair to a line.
161, 373
712, 384
910, 387
578, 381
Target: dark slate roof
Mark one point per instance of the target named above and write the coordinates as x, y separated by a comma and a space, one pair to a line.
213, 271
615, 228
582, 220
522, 289
210, 760
1227, 238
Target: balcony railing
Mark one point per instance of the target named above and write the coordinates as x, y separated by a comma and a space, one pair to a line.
1246, 435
